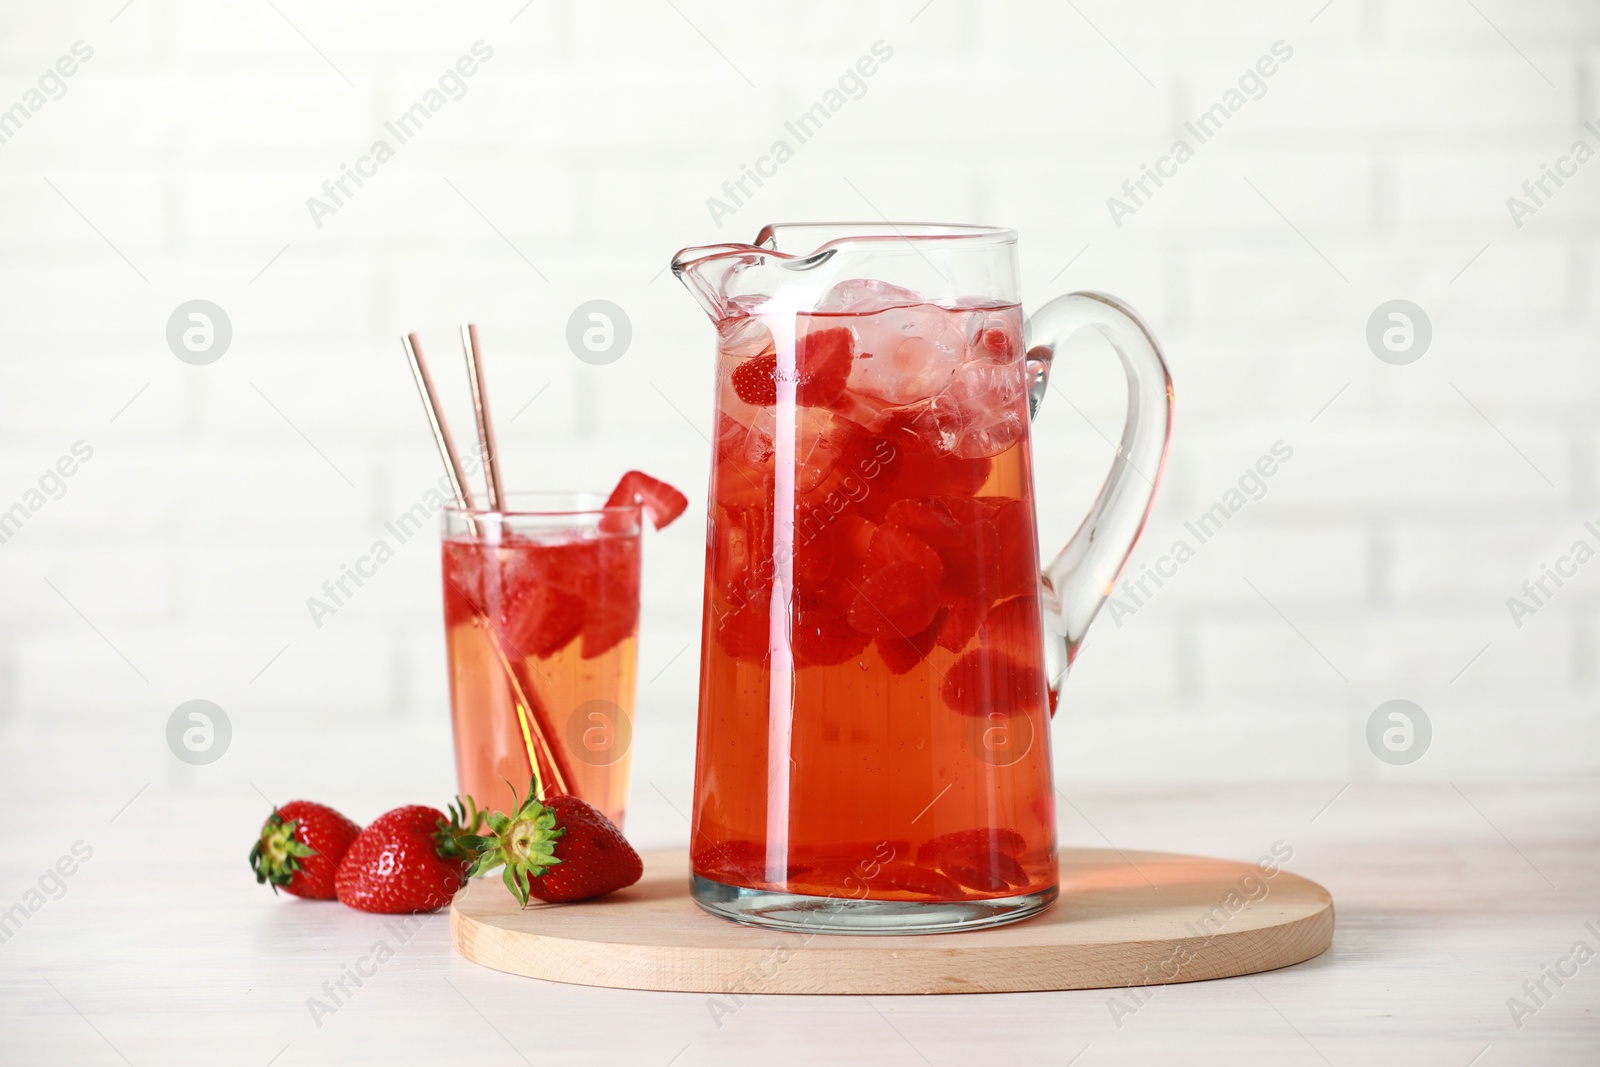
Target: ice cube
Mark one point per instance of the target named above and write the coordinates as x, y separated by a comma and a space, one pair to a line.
859, 295
994, 336
905, 355
822, 436
744, 337
982, 413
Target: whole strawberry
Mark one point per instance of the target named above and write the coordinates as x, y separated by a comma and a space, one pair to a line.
408, 860
300, 848
558, 850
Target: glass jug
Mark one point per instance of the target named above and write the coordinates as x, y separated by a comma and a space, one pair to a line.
881, 653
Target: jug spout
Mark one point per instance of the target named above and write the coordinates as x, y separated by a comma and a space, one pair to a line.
707, 271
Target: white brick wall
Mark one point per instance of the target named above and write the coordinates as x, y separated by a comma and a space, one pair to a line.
590, 141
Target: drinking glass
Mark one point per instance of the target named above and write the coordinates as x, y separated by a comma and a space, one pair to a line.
541, 613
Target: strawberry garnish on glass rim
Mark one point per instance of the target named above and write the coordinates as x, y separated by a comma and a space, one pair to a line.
661, 502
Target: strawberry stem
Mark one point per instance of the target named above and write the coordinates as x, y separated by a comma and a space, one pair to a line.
523, 843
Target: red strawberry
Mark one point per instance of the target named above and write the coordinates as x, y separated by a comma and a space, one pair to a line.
900, 654
984, 860
945, 522
408, 860
904, 878
986, 839
300, 847
823, 361
613, 614
742, 632
822, 364
660, 501
961, 622
984, 682
1013, 626
559, 850
541, 620
1015, 559
738, 862
895, 544
896, 601
755, 381
826, 640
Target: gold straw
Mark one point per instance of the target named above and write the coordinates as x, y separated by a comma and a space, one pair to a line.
480, 408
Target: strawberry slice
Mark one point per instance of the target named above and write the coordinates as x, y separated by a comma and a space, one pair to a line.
660, 501
739, 862
822, 364
918, 881
961, 621
1014, 564
822, 640
613, 613
900, 654
755, 381
985, 682
945, 522
1014, 628
896, 544
742, 633
542, 620
895, 601
984, 839
823, 361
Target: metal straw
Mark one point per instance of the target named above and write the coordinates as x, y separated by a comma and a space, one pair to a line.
441, 433
480, 408
542, 754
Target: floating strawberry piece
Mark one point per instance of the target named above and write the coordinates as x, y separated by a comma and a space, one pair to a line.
660, 501
755, 381
961, 621
300, 847
822, 640
823, 361
822, 366
892, 543
559, 850
1014, 628
743, 632
895, 601
984, 682
852, 540
542, 620
900, 654
613, 615
1015, 560
944, 522
996, 344
411, 859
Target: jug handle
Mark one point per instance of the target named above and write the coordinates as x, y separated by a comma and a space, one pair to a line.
1080, 578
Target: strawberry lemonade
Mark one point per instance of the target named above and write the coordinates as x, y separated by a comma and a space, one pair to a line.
541, 619
873, 710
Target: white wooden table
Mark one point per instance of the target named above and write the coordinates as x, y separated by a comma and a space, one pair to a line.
162, 950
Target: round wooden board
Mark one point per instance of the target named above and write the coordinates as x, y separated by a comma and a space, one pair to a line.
1123, 919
